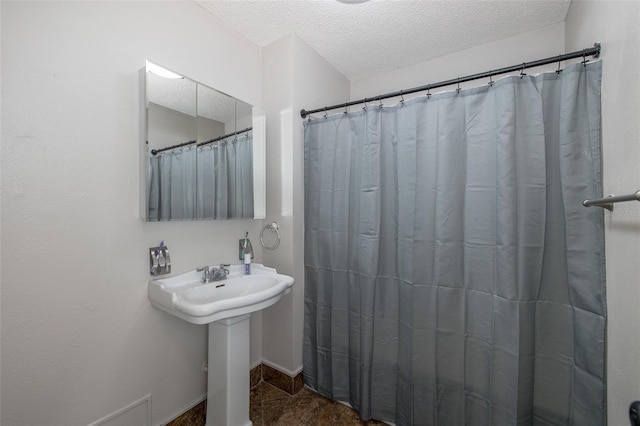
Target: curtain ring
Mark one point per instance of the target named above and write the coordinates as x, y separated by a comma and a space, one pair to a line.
584, 57
522, 73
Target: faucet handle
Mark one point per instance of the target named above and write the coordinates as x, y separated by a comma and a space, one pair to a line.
204, 269
223, 267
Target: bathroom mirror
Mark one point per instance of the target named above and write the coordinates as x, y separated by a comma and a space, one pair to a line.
204, 151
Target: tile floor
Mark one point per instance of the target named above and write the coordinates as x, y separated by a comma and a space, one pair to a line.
271, 406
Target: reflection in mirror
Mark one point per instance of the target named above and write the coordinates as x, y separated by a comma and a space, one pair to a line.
224, 159
205, 160
171, 120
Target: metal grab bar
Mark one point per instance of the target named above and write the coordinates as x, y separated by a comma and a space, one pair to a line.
607, 203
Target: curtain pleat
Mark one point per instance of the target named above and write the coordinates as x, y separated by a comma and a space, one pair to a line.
452, 275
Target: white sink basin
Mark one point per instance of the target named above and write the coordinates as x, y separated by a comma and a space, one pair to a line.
186, 297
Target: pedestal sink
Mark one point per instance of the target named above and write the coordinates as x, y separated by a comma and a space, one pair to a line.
226, 306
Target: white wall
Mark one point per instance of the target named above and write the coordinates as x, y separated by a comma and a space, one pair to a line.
208, 129
168, 127
79, 337
542, 43
617, 26
277, 77
294, 76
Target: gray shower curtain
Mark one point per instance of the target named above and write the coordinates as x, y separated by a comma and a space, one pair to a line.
452, 276
208, 182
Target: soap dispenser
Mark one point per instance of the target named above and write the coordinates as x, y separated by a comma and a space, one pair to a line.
247, 262
246, 253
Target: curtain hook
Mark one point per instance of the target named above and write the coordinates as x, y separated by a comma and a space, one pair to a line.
429, 92
401, 97
325, 112
559, 62
380, 99
458, 89
490, 79
365, 104
522, 73
584, 57
345, 109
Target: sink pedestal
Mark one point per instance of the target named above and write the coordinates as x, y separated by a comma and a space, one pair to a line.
228, 384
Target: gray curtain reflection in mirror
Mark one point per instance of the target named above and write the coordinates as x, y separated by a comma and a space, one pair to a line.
225, 179
208, 182
171, 185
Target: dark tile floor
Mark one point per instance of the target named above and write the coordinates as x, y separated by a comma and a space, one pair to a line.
272, 407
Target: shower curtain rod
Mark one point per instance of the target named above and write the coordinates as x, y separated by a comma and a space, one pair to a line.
219, 138
591, 51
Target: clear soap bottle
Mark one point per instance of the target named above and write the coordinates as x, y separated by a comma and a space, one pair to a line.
247, 261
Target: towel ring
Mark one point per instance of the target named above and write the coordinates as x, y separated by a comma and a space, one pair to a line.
274, 228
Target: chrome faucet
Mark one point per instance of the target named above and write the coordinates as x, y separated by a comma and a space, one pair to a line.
214, 274
220, 273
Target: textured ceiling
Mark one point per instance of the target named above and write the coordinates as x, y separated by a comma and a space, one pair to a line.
369, 38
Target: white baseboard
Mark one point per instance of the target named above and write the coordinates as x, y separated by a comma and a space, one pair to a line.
282, 369
186, 408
